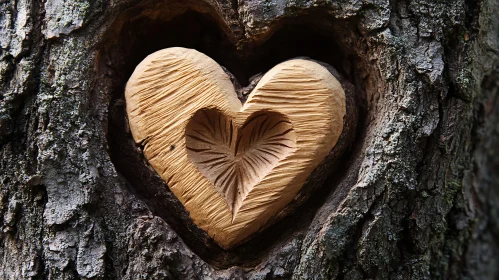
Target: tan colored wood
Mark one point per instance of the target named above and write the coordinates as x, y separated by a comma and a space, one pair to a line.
233, 167
234, 159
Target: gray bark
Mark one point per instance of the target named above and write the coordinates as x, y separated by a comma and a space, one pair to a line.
416, 195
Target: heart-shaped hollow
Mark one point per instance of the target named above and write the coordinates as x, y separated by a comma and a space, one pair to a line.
235, 158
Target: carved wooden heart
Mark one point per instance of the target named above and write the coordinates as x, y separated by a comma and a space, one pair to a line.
233, 167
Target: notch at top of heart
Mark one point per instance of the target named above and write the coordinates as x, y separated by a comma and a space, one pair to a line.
181, 98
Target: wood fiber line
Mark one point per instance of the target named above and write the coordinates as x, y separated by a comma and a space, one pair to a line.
233, 167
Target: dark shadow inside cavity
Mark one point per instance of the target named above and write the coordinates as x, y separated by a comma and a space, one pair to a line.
132, 38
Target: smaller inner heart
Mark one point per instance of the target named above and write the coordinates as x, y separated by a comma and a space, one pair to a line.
235, 159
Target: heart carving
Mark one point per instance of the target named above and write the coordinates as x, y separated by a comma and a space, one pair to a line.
232, 166
235, 159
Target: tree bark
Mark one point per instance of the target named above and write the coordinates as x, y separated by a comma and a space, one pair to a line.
415, 196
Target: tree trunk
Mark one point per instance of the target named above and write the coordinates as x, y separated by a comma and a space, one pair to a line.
415, 196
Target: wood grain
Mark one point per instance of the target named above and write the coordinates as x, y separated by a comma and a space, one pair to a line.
233, 167
235, 159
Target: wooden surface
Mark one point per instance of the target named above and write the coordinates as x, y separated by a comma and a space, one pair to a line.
234, 159
232, 166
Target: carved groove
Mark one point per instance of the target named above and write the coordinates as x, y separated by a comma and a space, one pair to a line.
235, 159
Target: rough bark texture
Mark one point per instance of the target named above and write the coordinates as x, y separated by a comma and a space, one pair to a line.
415, 197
